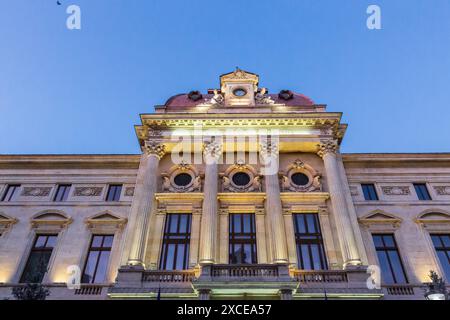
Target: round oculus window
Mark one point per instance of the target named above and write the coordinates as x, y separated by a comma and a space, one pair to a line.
239, 92
182, 179
300, 179
241, 179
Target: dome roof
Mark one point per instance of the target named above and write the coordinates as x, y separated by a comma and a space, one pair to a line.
183, 101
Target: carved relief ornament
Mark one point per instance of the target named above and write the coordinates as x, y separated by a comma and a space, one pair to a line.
396, 190
327, 147
154, 148
190, 172
311, 176
36, 191
254, 179
212, 150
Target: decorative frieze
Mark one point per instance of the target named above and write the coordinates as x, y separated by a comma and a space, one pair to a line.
442, 190
36, 191
88, 191
354, 190
129, 191
396, 190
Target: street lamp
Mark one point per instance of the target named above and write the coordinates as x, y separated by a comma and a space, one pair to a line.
436, 288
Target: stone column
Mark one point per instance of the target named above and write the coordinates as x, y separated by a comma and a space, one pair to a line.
223, 237
327, 151
143, 201
212, 152
269, 156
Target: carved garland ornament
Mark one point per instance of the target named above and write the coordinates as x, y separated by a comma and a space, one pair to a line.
396, 190
182, 178
229, 183
301, 177
88, 191
442, 190
36, 191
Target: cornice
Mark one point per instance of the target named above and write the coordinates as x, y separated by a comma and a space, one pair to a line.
73, 161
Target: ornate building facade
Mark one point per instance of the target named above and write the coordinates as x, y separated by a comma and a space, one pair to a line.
237, 194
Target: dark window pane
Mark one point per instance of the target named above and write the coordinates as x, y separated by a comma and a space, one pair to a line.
240, 179
389, 258
308, 237
183, 179
96, 265
442, 245
40, 242
114, 193
102, 266
422, 191
389, 241
62, 193
369, 192
97, 241
176, 240
242, 238
108, 241
300, 179
386, 272
397, 267
89, 271
51, 242
10, 192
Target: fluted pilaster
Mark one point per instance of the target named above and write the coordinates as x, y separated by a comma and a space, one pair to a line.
211, 152
143, 200
269, 156
327, 151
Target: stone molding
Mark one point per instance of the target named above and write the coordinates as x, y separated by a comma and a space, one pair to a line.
87, 191
36, 191
105, 221
396, 190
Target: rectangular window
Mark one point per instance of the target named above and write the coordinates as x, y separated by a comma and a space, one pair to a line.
441, 243
422, 191
114, 192
39, 258
391, 266
369, 191
62, 193
10, 192
97, 259
242, 238
176, 240
309, 242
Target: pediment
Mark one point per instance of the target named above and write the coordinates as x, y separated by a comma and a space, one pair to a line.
380, 217
50, 218
106, 219
436, 216
6, 221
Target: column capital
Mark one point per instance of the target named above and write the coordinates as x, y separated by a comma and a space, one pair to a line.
154, 148
212, 149
268, 149
326, 147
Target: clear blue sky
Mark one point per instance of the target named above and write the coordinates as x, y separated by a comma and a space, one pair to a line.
65, 91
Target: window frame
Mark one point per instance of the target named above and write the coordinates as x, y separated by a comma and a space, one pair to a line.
5, 193
33, 249
114, 199
375, 192
177, 239
317, 240
445, 273
65, 195
101, 249
420, 192
386, 249
242, 238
